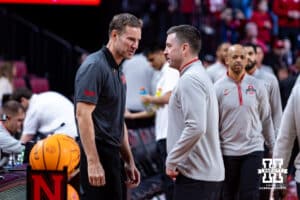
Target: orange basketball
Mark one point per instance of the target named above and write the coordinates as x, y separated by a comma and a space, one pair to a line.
71, 193
55, 152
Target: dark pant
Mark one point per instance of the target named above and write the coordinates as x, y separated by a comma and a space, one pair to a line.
168, 184
241, 176
114, 188
190, 189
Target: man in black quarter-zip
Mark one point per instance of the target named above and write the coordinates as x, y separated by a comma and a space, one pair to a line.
100, 91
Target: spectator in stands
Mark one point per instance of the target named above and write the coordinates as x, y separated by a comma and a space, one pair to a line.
12, 117
288, 56
215, 6
194, 155
233, 21
251, 33
46, 113
6, 79
245, 124
244, 5
100, 92
219, 69
275, 58
288, 12
263, 20
187, 10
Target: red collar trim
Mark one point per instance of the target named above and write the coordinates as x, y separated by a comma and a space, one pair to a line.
181, 69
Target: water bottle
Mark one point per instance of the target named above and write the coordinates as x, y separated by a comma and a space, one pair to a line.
20, 157
11, 160
157, 94
143, 92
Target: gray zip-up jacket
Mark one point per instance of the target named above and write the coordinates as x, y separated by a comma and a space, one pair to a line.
8, 143
216, 71
245, 117
193, 140
289, 130
272, 87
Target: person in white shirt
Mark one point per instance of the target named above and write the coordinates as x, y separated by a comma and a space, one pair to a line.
46, 113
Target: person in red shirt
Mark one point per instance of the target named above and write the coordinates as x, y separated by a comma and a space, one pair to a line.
288, 12
263, 20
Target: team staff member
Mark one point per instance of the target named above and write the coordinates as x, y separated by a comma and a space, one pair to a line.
270, 82
46, 113
289, 131
219, 69
245, 124
100, 92
194, 154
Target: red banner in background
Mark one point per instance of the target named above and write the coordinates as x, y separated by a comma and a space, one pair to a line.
54, 2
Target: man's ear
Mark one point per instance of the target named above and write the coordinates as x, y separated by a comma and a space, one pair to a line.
185, 47
113, 34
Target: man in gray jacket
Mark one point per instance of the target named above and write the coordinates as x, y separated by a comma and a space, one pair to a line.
270, 82
289, 131
194, 155
12, 117
245, 124
219, 69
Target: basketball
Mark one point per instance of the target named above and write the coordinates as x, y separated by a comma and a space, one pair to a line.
55, 152
71, 193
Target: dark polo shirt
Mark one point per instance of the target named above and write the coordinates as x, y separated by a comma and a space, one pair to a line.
100, 81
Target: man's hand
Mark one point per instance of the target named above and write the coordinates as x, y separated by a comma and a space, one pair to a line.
128, 114
277, 194
133, 175
146, 98
172, 173
96, 174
